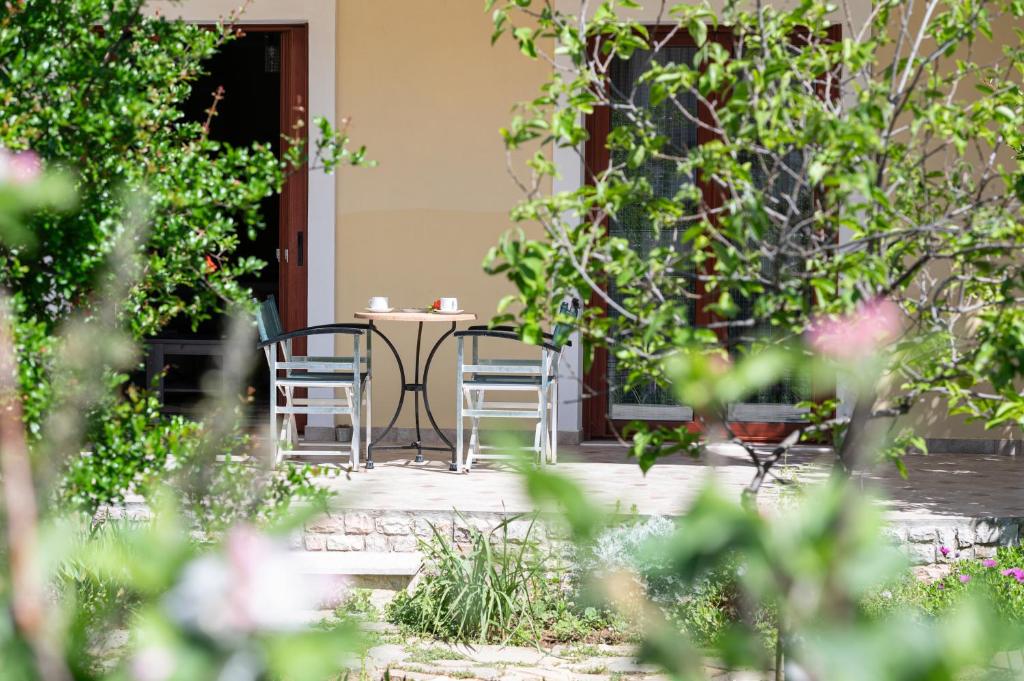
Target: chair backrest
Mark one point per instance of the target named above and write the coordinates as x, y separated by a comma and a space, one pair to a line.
267, 320
562, 330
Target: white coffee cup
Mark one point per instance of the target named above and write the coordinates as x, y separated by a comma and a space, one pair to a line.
449, 304
379, 303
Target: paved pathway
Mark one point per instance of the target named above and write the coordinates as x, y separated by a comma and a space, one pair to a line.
938, 486
432, 661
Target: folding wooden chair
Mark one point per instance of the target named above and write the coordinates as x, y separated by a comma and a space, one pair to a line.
350, 375
534, 380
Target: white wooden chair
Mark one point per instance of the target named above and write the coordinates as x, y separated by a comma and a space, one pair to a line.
534, 381
336, 373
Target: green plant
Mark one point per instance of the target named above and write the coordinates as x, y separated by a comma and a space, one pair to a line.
807, 570
433, 653
999, 581
564, 618
358, 604
95, 90
625, 546
714, 606
594, 669
501, 590
484, 594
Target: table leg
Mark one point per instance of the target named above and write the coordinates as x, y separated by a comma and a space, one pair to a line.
416, 387
453, 466
401, 396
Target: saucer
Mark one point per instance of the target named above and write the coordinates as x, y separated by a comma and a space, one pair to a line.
449, 311
387, 309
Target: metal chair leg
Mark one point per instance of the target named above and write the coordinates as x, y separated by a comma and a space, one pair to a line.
369, 414
283, 434
459, 397
477, 403
542, 427
553, 459
275, 445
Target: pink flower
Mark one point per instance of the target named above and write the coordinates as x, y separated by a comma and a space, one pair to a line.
944, 550
857, 336
20, 167
965, 578
152, 663
989, 562
1017, 573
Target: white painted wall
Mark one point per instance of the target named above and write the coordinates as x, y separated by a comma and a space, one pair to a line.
319, 15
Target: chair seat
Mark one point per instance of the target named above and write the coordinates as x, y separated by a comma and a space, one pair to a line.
496, 380
301, 378
510, 362
330, 360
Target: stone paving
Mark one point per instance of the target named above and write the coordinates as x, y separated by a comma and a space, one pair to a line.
938, 485
425, 660
970, 503
416, 660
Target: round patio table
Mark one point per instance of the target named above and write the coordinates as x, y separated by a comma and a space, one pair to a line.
418, 385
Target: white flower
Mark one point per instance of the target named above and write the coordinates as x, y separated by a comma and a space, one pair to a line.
254, 585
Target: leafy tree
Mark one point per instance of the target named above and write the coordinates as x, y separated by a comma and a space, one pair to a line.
96, 88
843, 161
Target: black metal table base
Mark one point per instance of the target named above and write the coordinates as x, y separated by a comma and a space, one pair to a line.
417, 387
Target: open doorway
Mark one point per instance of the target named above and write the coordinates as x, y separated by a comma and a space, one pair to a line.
264, 81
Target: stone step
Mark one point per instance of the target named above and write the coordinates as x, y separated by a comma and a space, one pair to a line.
359, 563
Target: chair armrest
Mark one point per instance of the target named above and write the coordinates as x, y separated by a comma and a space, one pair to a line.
347, 325
511, 329
322, 329
506, 335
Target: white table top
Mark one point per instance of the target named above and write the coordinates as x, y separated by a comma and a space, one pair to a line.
399, 316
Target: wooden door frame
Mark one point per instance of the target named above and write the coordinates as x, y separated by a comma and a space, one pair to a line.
293, 208
597, 421
293, 205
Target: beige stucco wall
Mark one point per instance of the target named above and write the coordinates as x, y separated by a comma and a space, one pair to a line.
426, 93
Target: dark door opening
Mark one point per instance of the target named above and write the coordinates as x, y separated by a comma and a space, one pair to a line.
263, 76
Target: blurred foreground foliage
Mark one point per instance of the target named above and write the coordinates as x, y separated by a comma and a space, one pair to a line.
813, 581
198, 583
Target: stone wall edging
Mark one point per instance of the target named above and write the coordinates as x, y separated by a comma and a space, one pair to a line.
400, 531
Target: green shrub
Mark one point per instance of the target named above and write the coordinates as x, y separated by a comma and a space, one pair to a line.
484, 594
96, 90
714, 606
706, 609
627, 546
100, 603
137, 449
